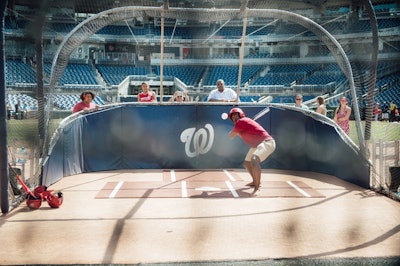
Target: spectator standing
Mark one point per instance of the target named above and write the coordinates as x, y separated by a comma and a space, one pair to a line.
385, 111
24, 110
146, 95
376, 112
392, 108
86, 103
396, 117
222, 94
299, 102
342, 115
16, 107
8, 108
321, 109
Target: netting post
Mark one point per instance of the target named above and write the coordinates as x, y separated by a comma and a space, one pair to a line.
373, 173
374, 64
165, 7
241, 53
382, 176
4, 179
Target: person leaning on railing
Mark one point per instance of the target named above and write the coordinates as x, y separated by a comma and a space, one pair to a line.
86, 103
180, 97
222, 93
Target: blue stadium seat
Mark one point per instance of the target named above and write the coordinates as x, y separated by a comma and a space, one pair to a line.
114, 75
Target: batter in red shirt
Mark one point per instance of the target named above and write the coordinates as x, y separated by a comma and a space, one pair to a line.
261, 143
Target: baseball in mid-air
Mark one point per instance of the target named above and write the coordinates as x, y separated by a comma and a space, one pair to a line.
224, 116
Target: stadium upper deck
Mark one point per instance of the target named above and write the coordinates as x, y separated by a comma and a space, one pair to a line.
199, 53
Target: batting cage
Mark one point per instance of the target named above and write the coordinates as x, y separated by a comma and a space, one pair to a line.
138, 137
265, 50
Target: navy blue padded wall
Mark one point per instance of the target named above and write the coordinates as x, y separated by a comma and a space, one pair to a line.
195, 137
307, 144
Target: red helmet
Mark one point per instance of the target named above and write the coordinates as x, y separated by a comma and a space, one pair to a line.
236, 110
38, 191
42, 192
55, 201
32, 202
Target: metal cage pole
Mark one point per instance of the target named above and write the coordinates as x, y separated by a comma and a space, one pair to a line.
4, 180
241, 51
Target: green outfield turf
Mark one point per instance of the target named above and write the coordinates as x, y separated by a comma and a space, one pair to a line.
25, 132
379, 130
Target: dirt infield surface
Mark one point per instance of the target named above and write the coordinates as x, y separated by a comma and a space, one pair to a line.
186, 217
204, 184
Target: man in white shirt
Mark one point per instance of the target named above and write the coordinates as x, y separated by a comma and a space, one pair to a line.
222, 94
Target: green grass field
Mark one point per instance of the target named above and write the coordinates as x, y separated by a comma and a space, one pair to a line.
25, 132
379, 130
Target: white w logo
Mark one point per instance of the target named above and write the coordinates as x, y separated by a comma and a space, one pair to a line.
202, 140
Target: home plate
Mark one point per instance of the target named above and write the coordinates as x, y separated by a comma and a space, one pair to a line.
207, 189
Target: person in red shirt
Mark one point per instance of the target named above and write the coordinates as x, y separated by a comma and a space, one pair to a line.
261, 143
146, 95
86, 104
377, 111
396, 117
